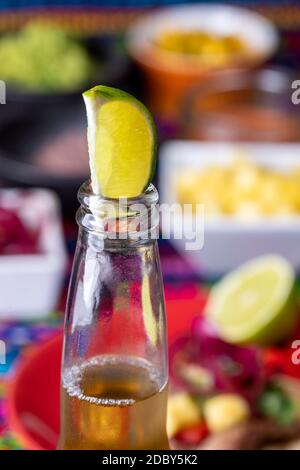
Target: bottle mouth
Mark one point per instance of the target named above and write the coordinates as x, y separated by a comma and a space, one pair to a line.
135, 217
86, 196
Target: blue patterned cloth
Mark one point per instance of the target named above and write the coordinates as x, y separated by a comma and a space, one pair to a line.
17, 335
8, 4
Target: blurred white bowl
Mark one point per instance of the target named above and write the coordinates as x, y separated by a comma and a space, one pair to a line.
231, 240
256, 31
30, 284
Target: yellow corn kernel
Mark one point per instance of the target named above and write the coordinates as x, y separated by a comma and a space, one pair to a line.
224, 411
182, 413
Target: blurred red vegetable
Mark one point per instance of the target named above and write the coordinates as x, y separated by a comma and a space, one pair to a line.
203, 363
279, 361
193, 435
15, 238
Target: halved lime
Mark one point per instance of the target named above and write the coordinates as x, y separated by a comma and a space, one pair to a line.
122, 142
255, 303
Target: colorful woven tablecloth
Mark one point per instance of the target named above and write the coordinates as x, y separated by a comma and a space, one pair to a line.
18, 338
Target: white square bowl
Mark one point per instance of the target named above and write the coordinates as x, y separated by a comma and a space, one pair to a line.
230, 240
30, 285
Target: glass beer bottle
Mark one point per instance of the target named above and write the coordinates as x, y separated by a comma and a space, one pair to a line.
114, 371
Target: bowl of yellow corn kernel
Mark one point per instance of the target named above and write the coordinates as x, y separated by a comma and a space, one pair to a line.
243, 198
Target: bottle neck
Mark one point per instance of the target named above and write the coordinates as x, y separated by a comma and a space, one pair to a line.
120, 222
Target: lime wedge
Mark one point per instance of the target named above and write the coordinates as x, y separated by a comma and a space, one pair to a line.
122, 143
256, 303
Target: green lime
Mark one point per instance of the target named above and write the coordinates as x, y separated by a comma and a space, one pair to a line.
122, 142
256, 303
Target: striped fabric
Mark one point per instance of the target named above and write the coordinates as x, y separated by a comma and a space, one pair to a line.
285, 14
8, 4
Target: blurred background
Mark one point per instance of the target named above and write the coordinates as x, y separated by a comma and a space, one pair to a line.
218, 77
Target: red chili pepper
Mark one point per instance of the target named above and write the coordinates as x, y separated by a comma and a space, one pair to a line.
280, 361
193, 435
274, 362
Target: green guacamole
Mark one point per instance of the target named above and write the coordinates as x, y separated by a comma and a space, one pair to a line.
44, 58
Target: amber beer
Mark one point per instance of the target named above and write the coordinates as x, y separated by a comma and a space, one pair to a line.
115, 364
113, 402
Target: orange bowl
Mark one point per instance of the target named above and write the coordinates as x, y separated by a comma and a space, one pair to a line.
169, 75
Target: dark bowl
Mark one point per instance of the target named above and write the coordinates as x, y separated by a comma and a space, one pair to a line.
112, 68
31, 121
29, 137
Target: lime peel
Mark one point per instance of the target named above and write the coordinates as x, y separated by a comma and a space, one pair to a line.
122, 143
255, 303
